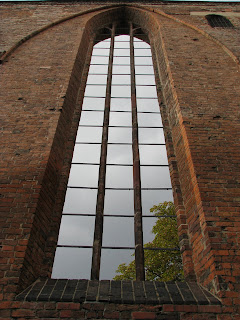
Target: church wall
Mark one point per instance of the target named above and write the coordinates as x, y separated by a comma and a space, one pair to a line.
42, 88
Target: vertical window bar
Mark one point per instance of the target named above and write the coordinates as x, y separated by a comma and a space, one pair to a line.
139, 254
98, 232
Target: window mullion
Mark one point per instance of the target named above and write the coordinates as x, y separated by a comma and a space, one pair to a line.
98, 232
139, 254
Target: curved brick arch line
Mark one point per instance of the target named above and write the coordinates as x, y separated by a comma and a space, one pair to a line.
202, 32
101, 10
158, 12
49, 26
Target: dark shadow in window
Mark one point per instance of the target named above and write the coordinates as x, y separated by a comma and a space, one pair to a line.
217, 21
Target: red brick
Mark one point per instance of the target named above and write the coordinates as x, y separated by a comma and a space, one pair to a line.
5, 304
111, 315
68, 306
66, 314
91, 314
200, 88
212, 309
23, 313
168, 308
143, 315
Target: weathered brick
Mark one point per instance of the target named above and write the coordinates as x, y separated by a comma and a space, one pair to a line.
197, 75
143, 315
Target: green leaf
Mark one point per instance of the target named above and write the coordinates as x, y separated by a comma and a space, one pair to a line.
159, 265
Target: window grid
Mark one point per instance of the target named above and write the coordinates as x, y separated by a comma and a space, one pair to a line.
217, 21
104, 165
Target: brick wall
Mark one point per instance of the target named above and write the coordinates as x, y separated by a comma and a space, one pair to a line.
42, 84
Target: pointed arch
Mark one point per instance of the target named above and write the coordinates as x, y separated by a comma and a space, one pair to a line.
148, 22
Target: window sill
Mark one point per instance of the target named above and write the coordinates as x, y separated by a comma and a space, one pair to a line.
121, 292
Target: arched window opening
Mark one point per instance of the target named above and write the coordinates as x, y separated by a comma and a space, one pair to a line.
217, 21
119, 168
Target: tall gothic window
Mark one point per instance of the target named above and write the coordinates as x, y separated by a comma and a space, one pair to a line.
119, 168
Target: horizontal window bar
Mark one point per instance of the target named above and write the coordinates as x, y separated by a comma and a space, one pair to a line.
101, 55
121, 165
151, 112
97, 126
150, 98
124, 143
121, 74
162, 249
96, 188
115, 215
121, 85
119, 248
96, 84
113, 110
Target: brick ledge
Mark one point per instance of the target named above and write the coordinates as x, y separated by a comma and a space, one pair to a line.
126, 292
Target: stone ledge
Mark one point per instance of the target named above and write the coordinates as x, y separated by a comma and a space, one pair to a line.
126, 292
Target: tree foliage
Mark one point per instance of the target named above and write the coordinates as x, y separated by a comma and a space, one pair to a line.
159, 265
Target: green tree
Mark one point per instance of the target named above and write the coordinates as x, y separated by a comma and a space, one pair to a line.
159, 265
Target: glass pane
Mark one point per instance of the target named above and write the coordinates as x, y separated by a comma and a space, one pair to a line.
153, 154
87, 153
119, 135
76, 230
100, 52
119, 177
145, 80
103, 44
121, 69
121, 104
118, 232
122, 38
111, 259
144, 70
150, 105
119, 202
119, 154
146, 92
95, 91
155, 177
142, 52
121, 60
80, 201
149, 135
97, 79
121, 52
141, 61
121, 91
137, 39
98, 69
89, 134
121, 79
72, 263
121, 44
91, 118
149, 120
93, 103
148, 224
151, 198
141, 44
120, 119
99, 60
83, 176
